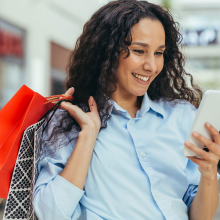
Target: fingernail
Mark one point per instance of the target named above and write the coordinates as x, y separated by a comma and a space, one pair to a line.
208, 125
187, 144
195, 134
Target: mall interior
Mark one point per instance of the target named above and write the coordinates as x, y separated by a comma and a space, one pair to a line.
37, 36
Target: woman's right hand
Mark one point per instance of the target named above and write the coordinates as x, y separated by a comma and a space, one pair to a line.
89, 121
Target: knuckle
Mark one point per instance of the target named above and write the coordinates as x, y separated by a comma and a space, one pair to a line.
209, 143
203, 154
208, 167
213, 161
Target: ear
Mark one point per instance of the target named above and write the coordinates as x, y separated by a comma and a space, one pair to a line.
92, 104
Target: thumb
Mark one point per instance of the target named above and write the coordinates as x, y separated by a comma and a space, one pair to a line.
70, 91
92, 104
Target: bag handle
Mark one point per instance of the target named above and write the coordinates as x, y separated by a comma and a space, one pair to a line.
57, 100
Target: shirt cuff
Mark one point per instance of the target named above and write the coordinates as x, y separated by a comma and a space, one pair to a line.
190, 194
66, 194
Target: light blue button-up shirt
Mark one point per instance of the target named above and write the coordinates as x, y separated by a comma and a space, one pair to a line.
137, 170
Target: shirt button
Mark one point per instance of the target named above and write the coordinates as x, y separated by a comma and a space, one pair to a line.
142, 154
132, 122
157, 196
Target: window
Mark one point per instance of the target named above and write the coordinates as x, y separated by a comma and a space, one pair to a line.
12, 61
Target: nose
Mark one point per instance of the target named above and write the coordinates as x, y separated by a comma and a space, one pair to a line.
150, 64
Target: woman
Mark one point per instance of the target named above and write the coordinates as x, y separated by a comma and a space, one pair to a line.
129, 80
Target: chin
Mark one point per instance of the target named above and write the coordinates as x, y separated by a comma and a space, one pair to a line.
140, 93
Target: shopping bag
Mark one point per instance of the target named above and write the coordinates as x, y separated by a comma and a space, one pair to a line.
19, 203
24, 109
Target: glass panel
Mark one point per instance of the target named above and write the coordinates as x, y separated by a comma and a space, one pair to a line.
58, 78
12, 66
11, 79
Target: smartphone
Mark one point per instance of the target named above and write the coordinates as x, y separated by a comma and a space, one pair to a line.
208, 111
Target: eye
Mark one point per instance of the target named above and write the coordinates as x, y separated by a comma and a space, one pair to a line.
159, 53
139, 51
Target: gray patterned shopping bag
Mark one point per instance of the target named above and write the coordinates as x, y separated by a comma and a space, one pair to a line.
19, 202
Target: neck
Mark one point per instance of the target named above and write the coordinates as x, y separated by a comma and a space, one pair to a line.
127, 102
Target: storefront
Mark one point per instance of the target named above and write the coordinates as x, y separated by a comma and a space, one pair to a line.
12, 60
59, 60
201, 36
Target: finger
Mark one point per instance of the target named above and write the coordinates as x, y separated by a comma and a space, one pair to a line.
66, 105
92, 104
215, 133
202, 164
201, 153
75, 112
206, 141
72, 109
70, 91
198, 161
210, 157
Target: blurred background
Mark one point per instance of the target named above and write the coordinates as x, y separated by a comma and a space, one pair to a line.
36, 37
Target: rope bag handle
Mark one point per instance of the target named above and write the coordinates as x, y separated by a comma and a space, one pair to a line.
57, 100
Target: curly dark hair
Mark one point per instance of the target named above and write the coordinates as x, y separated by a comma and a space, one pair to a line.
93, 63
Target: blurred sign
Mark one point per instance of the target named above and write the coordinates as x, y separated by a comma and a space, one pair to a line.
10, 44
200, 37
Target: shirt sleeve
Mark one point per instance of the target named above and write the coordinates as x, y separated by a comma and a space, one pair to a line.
191, 171
193, 176
191, 193
54, 197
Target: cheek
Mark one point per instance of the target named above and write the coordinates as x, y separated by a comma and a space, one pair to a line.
135, 61
160, 65
130, 63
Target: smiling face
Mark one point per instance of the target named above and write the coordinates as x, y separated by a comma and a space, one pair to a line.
145, 59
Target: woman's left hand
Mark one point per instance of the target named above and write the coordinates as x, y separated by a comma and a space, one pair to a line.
208, 161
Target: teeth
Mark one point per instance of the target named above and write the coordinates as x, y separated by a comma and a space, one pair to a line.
143, 78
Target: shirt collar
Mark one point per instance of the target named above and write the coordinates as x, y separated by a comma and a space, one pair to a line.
146, 105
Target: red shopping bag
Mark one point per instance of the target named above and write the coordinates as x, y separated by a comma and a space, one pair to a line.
24, 109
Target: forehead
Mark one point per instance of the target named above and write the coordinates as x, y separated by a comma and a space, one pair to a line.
148, 31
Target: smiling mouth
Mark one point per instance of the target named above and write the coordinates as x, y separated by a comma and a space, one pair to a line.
142, 78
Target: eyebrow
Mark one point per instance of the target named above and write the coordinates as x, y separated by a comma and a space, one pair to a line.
146, 45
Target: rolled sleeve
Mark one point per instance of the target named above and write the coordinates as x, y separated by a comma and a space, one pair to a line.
54, 197
66, 194
193, 176
189, 195
58, 199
